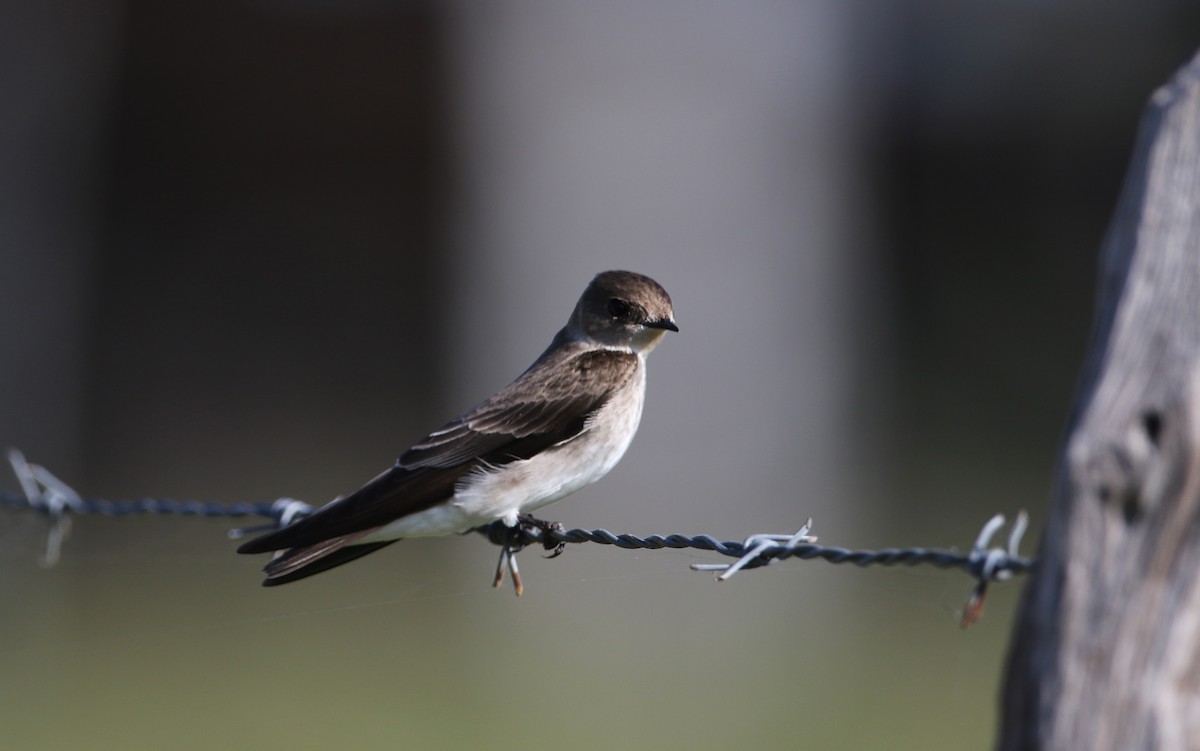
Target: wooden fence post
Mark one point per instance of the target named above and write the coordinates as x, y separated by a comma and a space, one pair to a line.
1106, 651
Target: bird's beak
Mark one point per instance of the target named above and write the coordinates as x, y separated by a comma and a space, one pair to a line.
665, 323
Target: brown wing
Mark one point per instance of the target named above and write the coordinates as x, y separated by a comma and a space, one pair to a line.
549, 403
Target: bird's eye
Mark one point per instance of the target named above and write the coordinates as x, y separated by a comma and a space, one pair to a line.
618, 308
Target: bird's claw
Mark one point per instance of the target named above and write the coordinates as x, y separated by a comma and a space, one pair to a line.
540, 528
512, 540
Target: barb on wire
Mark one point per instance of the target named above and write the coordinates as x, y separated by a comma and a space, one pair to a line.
50, 495
42, 491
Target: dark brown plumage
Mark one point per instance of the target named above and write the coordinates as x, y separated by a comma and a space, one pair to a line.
620, 316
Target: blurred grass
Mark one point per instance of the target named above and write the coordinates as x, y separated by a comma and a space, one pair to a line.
171, 644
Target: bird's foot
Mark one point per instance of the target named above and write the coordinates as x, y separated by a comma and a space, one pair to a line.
512, 540
543, 528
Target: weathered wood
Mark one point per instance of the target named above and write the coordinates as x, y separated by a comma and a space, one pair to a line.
1106, 653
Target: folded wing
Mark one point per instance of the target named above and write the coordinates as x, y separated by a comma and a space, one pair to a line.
549, 403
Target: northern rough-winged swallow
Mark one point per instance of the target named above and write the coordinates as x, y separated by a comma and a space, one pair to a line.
562, 425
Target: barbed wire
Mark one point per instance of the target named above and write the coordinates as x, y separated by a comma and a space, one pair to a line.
42, 492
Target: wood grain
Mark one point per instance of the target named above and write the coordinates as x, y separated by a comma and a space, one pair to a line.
1106, 652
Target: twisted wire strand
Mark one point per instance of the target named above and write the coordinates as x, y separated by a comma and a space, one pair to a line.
43, 492
154, 506
973, 562
732, 548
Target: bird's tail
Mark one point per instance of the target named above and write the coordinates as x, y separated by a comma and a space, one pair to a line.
298, 563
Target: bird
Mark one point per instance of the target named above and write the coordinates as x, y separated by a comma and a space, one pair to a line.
560, 426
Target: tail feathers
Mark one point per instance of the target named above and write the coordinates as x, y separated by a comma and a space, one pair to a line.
299, 563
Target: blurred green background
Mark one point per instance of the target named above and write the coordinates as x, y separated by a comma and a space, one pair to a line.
255, 249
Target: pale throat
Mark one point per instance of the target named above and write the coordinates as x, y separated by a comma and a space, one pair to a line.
646, 340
